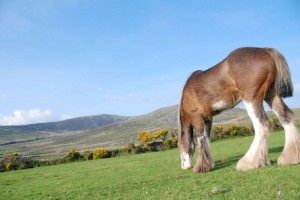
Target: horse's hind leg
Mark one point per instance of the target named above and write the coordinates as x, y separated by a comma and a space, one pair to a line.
291, 151
204, 161
186, 144
257, 155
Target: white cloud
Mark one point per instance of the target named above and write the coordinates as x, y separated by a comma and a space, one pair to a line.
21, 117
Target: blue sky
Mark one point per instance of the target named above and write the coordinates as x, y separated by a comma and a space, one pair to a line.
69, 58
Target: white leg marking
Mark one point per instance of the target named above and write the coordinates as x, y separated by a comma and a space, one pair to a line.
260, 131
291, 133
291, 151
257, 155
186, 160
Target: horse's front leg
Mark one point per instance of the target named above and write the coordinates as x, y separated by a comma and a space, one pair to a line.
204, 161
186, 146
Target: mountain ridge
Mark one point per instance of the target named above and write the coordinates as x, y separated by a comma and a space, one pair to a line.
73, 124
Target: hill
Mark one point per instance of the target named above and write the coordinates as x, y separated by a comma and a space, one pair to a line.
75, 124
158, 176
109, 131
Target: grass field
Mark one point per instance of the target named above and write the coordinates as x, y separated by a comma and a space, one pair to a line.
158, 176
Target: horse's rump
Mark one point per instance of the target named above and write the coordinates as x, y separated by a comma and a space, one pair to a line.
260, 67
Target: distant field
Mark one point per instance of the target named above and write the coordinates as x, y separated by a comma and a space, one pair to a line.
158, 176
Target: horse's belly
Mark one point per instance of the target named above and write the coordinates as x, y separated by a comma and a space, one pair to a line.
221, 105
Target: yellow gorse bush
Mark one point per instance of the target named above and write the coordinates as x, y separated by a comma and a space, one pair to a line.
73, 154
161, 134
219, 128
233, 129
12, 155
145, 136
8, 166
218, 131
100, 153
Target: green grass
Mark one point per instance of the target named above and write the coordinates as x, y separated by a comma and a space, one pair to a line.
158, 176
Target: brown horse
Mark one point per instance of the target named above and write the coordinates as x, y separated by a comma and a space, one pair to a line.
251, 75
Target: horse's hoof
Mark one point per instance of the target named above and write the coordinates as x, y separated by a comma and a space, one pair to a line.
288, 159
246, 164
186, 167
203, 168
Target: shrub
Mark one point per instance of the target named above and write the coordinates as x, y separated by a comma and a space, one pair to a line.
58, 161
233, 130
8, 166
73, 155
87, 155
138, 149
101, 153
12, 155
161, 134
244, 131
169, 143
12, 161
174, 135
145, 137
131, 148
218, 132
145, 147
115, 152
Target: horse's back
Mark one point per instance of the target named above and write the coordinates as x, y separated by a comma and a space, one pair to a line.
249, 61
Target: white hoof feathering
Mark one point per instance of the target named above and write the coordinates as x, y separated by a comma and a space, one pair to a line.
246, 163
186, 160
291, 151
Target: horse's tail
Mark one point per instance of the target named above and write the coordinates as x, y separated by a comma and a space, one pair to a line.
283, 82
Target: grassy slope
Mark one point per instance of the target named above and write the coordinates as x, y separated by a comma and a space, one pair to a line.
158, 176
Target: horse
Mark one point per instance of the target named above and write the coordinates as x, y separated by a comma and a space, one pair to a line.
249, 75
